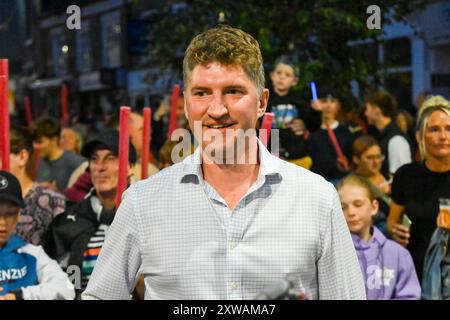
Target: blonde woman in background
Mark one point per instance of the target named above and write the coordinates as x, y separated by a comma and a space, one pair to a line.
419, 188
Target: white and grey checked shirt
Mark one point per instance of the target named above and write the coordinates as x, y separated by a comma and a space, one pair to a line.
179, 233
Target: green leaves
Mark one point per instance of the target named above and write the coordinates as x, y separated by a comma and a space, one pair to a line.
316, 32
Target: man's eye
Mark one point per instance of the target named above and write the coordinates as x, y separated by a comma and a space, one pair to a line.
199, 93
234, 91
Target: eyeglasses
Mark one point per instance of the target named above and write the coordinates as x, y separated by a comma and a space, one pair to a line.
378, 157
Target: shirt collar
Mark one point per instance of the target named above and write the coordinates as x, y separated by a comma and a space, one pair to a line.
268, 165
333, 126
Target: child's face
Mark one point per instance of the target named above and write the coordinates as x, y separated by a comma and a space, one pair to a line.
329, 107
358, 209
8, 221
283, 78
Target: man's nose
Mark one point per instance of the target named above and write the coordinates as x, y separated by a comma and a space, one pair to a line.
218, 108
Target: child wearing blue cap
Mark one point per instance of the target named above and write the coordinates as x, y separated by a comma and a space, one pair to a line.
26, 272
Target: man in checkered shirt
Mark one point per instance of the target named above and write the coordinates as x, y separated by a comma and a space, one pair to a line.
211, 229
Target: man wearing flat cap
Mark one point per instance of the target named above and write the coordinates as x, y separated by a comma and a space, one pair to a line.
76, 237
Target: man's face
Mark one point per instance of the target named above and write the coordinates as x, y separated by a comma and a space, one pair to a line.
136, 128
371, 113
283, 78
9, 214
222, 98
45, 145
68, 139
104, 167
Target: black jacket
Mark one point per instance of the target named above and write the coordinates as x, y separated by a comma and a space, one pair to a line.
70, 232
390, 131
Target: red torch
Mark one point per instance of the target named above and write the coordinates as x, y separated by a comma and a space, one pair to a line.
173, 112
4, 115
146, 132
265, 127
28, 113
124, 146
64, 106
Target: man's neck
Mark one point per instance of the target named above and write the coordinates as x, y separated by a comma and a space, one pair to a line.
108, 199
231, 181
281, 93
55, 154
438, 164
382, 123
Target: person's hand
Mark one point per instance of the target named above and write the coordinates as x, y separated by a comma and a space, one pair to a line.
298, 126
316, 106
162, 110
400, 234
8, 296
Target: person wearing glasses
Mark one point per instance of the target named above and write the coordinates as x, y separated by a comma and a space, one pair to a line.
367, 159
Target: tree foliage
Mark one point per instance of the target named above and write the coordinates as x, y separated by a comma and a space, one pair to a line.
316, 33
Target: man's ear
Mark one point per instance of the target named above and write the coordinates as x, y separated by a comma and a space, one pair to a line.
355, 160
295, 81
262, 102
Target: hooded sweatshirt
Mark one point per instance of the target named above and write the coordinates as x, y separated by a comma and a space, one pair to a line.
387, 268
27, 267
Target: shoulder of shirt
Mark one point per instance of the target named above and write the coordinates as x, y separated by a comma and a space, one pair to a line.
47, 191
291, 171
31, 249
411, 169
73, 156
172, 173
344, 128
395, 248
398, 138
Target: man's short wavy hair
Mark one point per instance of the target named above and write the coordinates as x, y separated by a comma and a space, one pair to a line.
229, 47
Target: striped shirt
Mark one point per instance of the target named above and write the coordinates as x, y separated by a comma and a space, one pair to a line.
91, 254
180, 234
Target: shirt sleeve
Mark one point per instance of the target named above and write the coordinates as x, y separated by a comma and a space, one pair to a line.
398, 187
53, 282
116, 271
399, 153
339, 273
